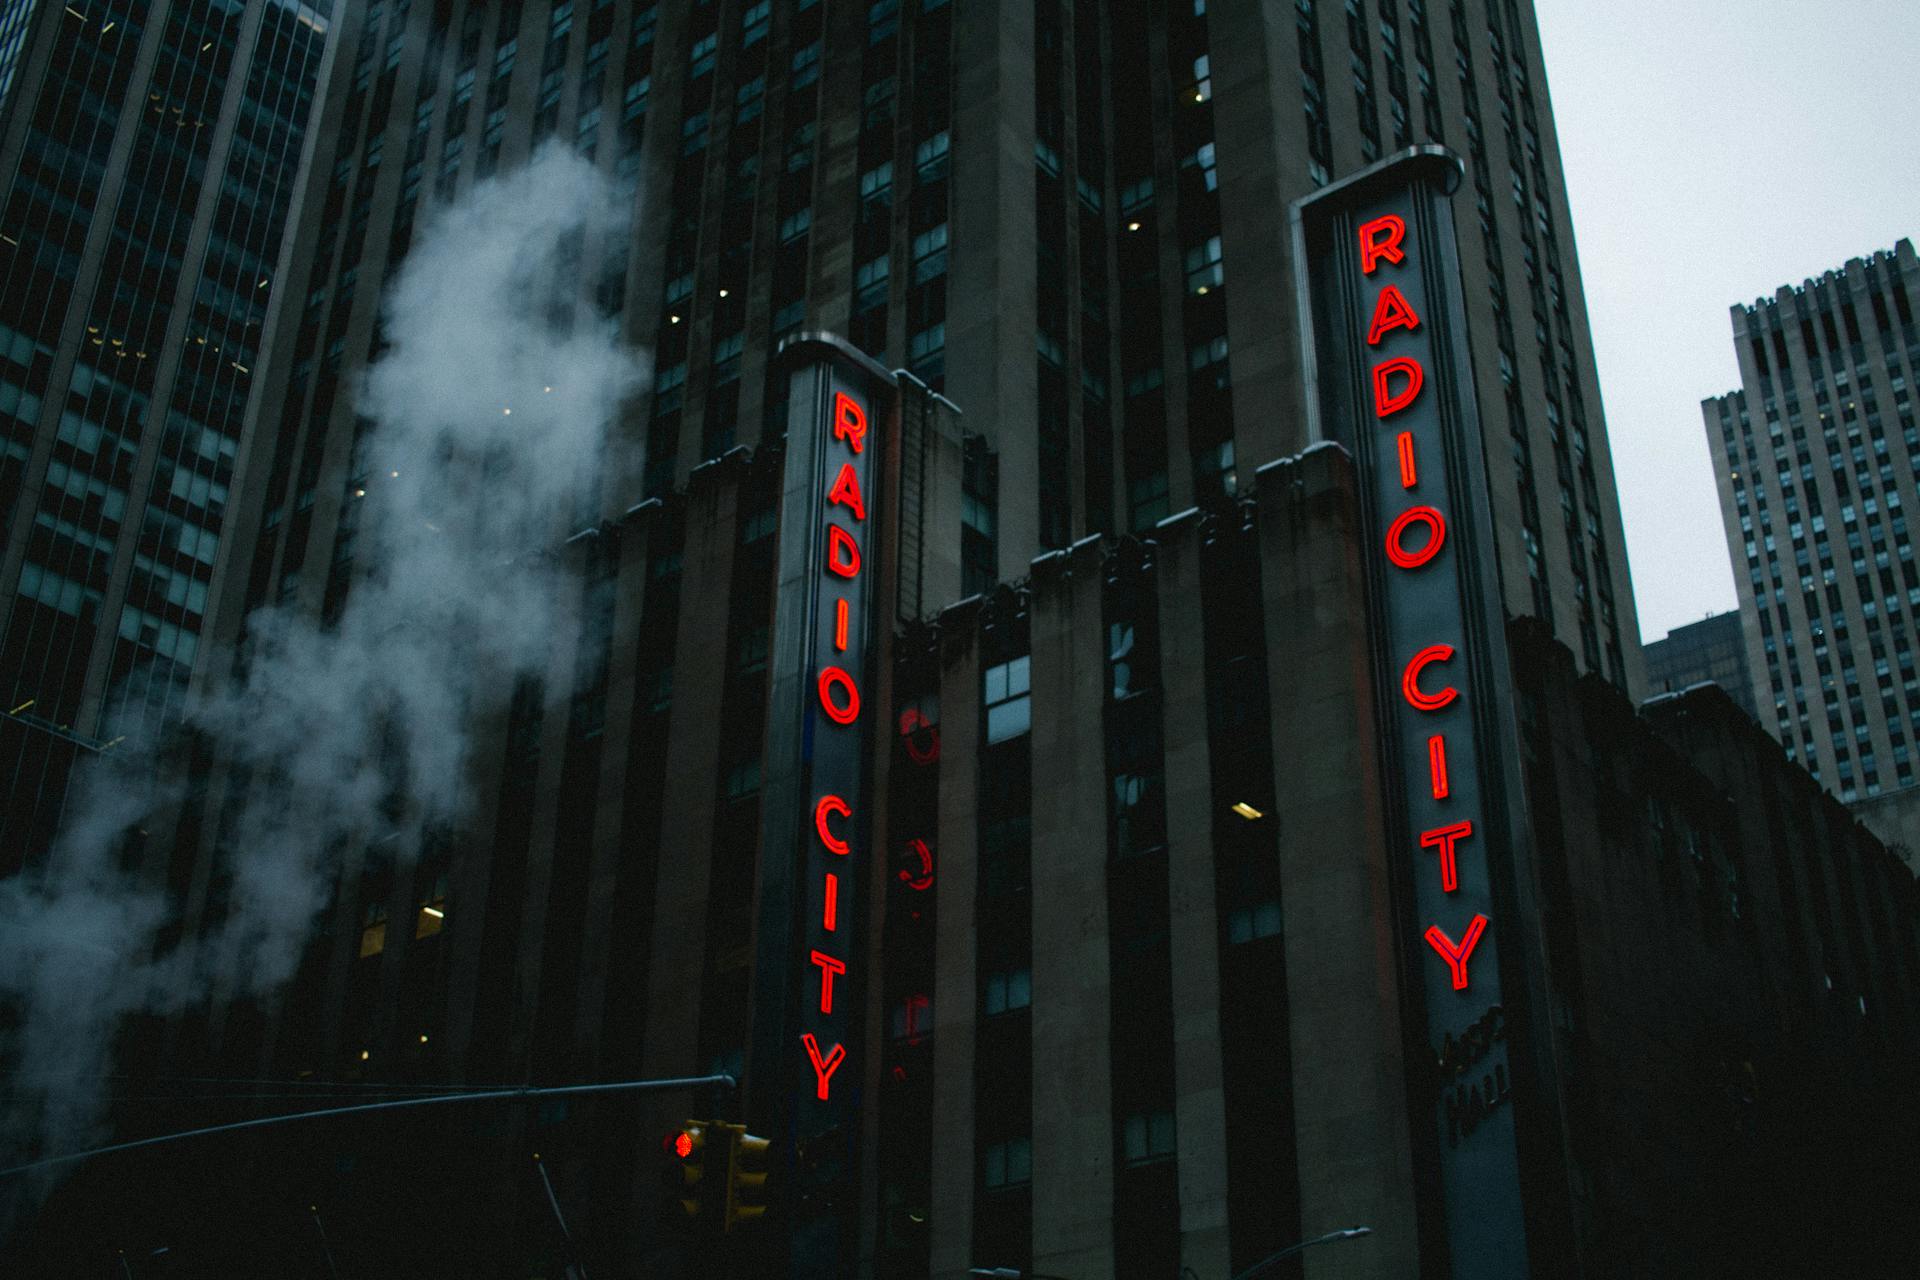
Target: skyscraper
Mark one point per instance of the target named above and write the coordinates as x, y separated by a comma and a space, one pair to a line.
1712, 649
1815, 458
151, 154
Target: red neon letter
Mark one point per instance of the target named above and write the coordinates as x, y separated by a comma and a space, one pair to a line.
828, 967
849, 424
849, 710
830, 911
1375, 246
1391, 312
840, 625
1443, 840
1397, 536
823, 1068
1410, 679
1385, 402
846, 492
921, 880
1437, 764
1409, 476
843, 553
831, 805
912, 720
1455, 956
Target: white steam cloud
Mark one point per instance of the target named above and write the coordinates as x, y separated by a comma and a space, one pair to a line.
492, 412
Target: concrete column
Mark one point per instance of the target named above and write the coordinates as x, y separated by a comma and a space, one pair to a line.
951, 1228
1200, 1117
1261, 145
991, 309
1349, 1081
1072, 1021
676, 969
610, 799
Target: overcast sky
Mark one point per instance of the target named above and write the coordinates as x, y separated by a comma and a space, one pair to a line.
1715, 150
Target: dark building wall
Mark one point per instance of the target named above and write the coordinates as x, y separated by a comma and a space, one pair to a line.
1734, 961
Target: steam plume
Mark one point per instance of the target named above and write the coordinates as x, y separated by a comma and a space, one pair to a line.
490, 412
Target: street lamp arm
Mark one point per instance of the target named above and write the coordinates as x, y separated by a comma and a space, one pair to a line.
1344, 1233
487, 1095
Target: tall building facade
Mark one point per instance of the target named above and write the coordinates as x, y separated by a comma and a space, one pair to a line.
151, 154
1815, 457
1069, 220
1711, 650
1114, 310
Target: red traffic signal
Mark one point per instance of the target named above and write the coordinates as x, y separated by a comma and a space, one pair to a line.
679, 1143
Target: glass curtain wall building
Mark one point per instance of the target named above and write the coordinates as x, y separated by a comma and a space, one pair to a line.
152, 155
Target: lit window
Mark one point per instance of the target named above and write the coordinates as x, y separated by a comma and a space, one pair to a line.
432, 916
373, 931
1204, 271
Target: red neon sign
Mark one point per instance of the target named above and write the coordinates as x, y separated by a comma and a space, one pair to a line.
1415, 538
1434, 523
1388, 401
1417, 697
1380, 241
841, 607
1456, 953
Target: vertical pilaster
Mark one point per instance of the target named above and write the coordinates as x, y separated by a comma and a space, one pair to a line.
1349, 1081
1072, 1019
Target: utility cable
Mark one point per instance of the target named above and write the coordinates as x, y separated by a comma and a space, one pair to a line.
623, 1086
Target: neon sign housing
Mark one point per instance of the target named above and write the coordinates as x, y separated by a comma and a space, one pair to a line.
826, 710
1383, 332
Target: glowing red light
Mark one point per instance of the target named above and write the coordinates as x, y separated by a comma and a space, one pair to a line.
1386, 400
1434, 523
1380, 239
682, 1144
1417, 697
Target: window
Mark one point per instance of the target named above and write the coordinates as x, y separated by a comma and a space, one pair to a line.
877, 182
1008, 700
701, 56
432, 915
1203, 160
805, 67
930, 254
1008, 1164
1249, 924
1204, 272
870, 283
1006, 992
930, 157
755, 22
1147, 1136
373, 930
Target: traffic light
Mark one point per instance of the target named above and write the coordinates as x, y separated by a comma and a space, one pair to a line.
689, 1191
748, 1159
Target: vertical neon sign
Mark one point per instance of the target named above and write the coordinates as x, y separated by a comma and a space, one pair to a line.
1384, 337
804, 1066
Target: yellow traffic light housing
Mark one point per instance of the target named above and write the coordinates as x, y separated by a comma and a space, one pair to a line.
748, 1162
685, 1180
